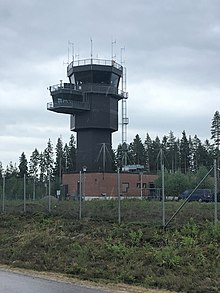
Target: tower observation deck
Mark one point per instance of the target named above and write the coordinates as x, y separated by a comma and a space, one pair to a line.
91, 98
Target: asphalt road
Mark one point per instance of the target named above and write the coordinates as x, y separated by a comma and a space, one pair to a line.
11, 282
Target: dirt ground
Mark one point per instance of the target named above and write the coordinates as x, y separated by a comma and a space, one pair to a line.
117, 288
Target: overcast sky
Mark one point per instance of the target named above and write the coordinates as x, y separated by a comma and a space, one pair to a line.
172, 56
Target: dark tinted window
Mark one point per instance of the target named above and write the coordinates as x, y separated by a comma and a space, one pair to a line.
114, 80
101, 77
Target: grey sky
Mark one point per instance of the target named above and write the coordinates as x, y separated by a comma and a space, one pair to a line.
171, 55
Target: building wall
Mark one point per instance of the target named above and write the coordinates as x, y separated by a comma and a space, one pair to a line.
99, 184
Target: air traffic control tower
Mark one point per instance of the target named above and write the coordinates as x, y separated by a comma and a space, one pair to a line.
91, 99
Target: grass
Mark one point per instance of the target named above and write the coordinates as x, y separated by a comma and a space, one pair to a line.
132, 210
185, 257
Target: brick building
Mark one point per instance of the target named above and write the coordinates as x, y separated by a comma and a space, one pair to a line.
106, 184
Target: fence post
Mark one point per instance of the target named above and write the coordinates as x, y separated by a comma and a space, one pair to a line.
215, 193
163, 192
119, 198
3, 194
49, 195
24, 193
80, 195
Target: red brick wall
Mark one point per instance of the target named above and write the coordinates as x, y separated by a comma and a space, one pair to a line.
97, 184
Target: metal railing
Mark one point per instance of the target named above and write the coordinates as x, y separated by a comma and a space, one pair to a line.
89, 87
69, 104
103, 89
95, 62
63, 86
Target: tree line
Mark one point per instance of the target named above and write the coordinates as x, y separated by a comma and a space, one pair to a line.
185, 154
48, 163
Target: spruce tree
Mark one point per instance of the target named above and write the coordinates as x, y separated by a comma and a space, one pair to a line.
184, 153
148, 152
171, 152
119, 155
34, 164
156, 148
11, 170
72, 154
215, 134
209, 153
23, 165
48, 158
1, 170
60, 160
33, 169
138, 151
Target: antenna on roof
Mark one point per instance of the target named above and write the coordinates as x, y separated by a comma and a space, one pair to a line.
77, 54
91, 48
122, 60
70, 46
113, 56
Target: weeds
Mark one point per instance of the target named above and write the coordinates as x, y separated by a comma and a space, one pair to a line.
183, 258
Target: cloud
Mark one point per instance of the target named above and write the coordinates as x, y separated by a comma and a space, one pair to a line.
171, 55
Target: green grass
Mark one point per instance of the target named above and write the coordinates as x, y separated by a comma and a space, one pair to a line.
185, 257
132, 210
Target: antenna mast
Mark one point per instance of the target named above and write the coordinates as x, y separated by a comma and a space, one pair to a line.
124, 114
70, 45
113, 56
91, 49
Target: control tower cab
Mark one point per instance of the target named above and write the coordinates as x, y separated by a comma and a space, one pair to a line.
91, 98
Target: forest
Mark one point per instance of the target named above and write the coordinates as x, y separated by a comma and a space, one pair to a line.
182, 156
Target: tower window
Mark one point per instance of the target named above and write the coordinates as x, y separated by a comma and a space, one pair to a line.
101, 77
114, 80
